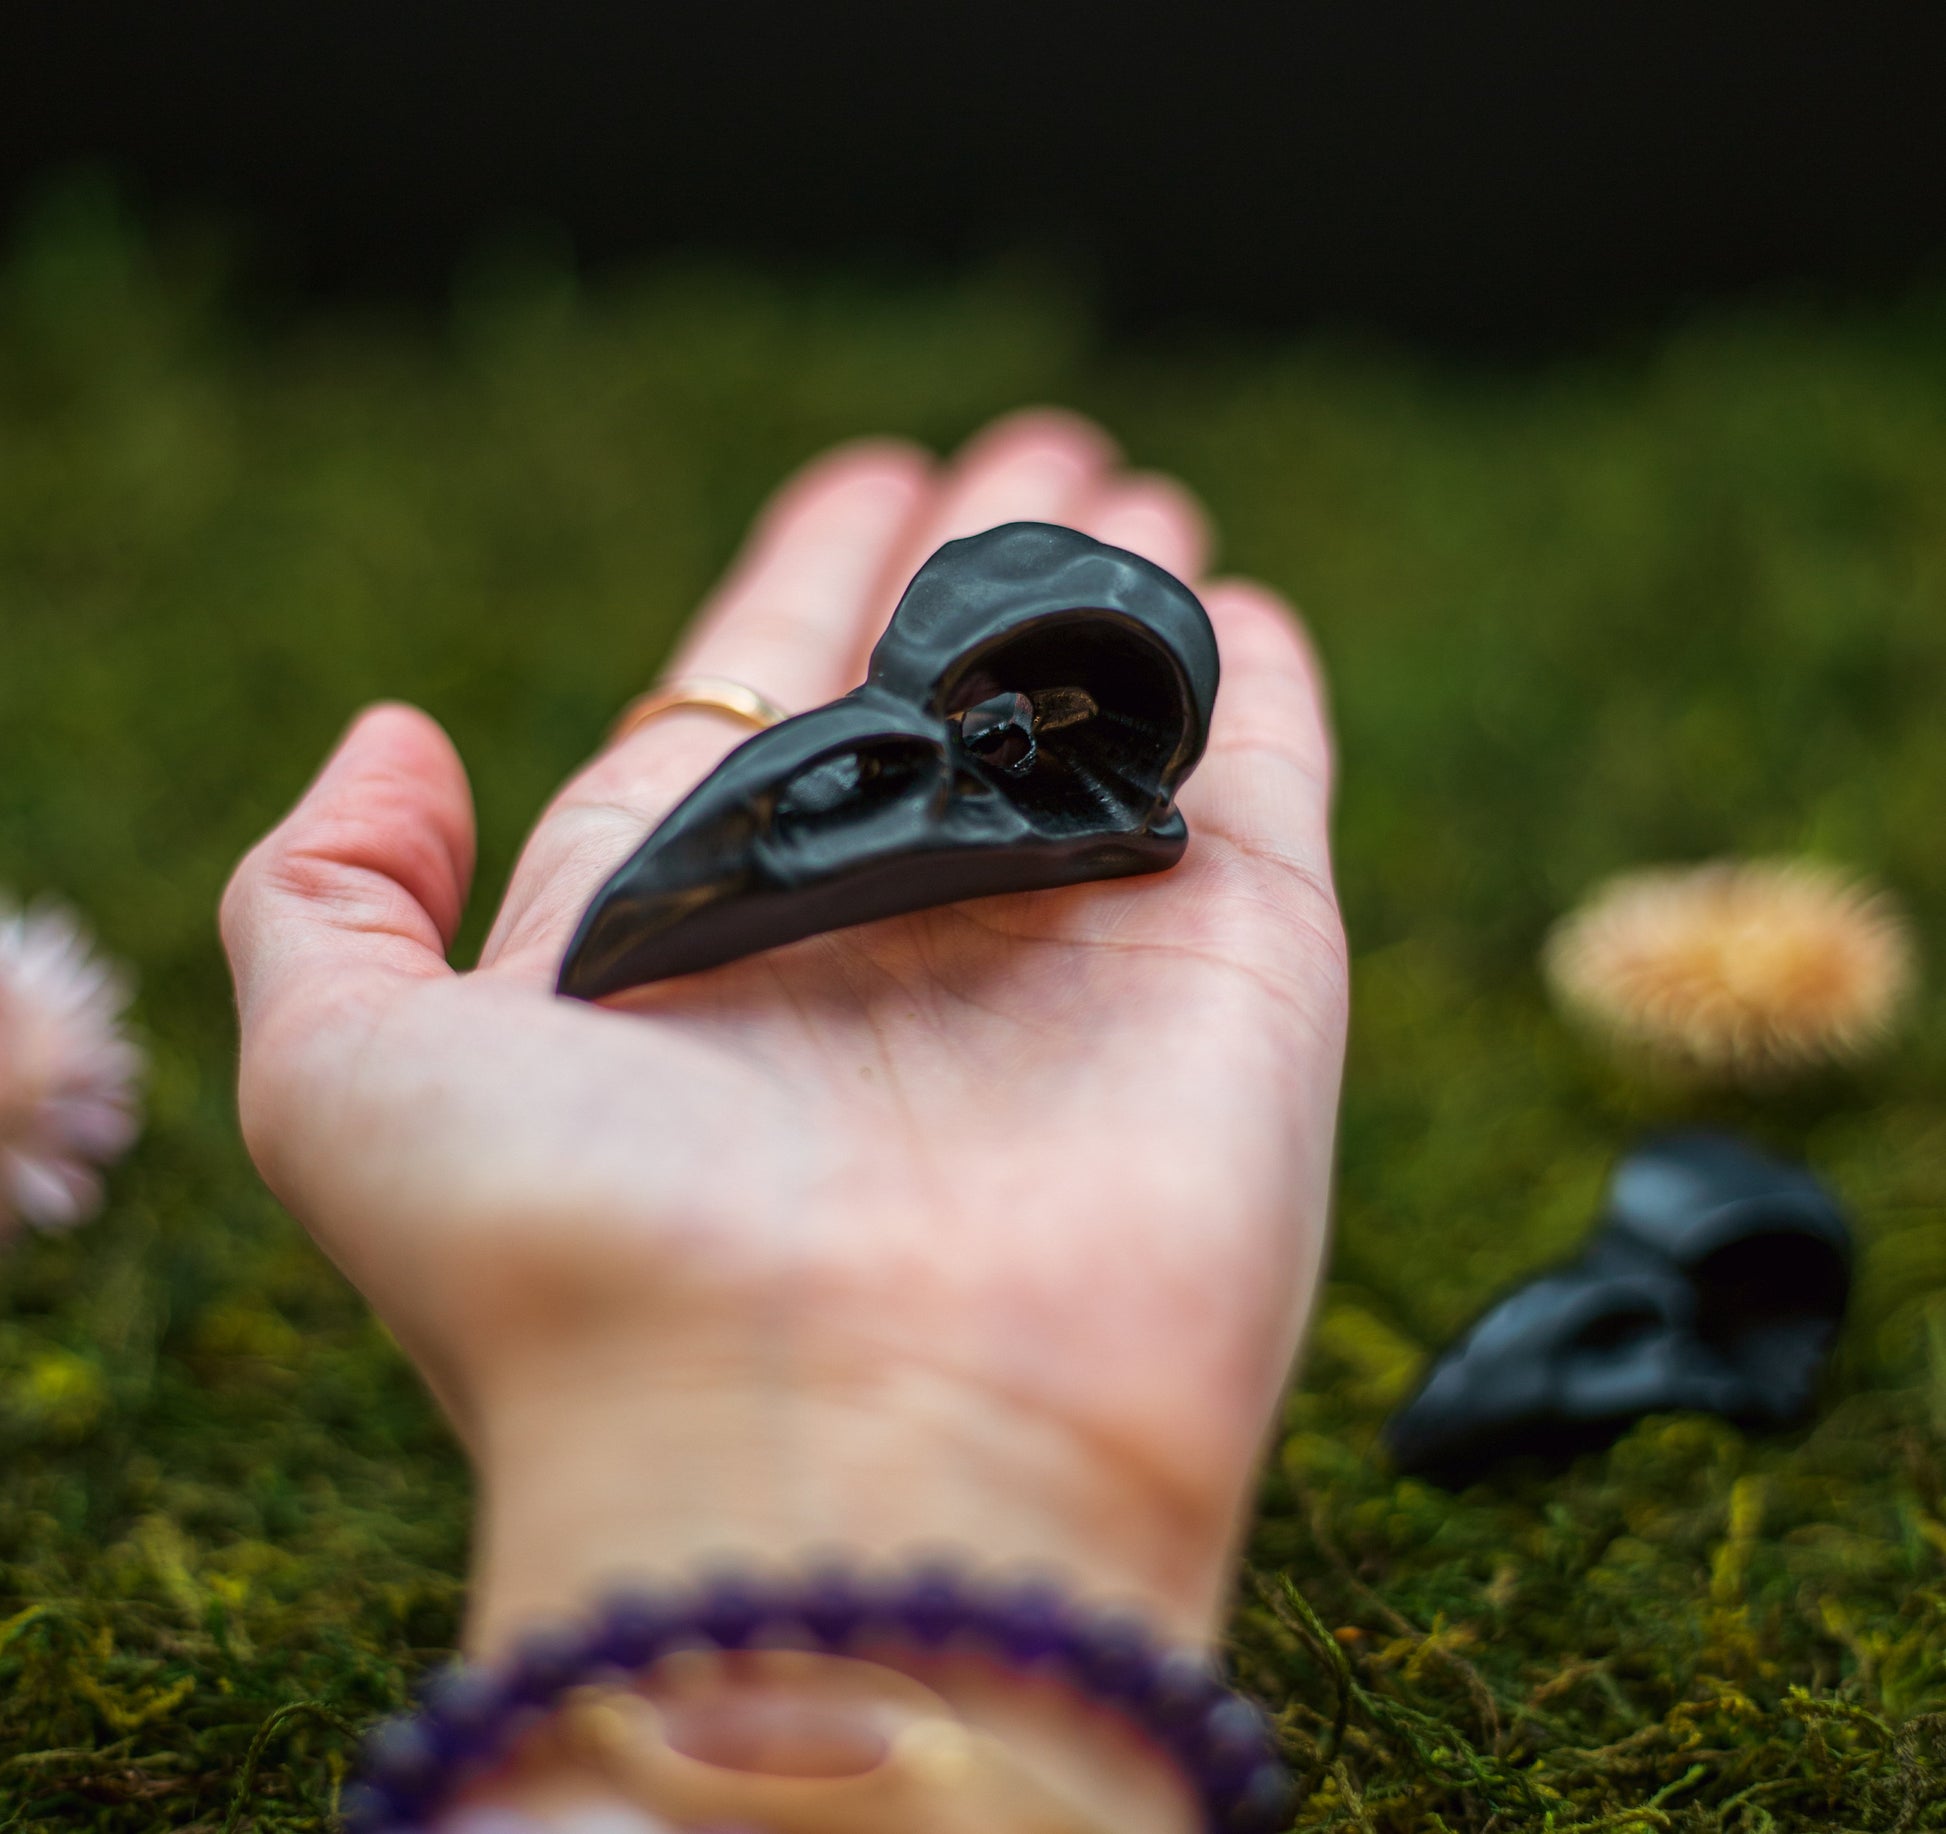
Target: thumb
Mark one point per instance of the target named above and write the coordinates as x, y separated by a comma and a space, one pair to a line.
362, 885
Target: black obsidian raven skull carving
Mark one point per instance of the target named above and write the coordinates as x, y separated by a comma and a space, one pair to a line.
1024, 722
1714, 1282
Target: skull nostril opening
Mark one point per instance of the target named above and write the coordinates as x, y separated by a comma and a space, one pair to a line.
1618, 1329
999, 732
850, 786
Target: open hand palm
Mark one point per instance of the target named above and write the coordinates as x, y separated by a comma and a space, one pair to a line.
1065, 1149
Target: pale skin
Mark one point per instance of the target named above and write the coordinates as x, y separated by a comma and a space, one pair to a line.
991, 1228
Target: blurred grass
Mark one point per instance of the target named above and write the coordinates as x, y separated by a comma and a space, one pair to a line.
1683, 600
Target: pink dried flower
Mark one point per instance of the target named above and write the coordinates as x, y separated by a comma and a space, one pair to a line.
67, 1073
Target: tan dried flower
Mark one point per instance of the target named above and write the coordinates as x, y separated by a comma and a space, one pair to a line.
67, 1074
1745, 970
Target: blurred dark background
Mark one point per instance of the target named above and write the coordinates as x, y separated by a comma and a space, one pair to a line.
1495, 177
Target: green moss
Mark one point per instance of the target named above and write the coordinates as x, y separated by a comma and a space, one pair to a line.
1686, 600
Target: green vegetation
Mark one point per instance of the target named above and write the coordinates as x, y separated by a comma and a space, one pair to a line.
1681, 601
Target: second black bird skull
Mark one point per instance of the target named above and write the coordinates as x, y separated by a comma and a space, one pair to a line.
1715, 1282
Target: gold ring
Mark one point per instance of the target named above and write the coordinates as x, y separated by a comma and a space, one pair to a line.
708, 691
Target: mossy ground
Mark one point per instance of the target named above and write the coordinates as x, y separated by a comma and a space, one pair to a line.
1680, 601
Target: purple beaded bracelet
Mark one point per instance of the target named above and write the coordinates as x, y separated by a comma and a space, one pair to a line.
411, 1766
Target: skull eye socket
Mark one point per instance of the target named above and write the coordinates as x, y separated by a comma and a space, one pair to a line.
853, 785
1767, 1281
1086, 714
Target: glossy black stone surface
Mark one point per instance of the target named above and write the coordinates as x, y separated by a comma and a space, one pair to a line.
1024, 722
1715, 1281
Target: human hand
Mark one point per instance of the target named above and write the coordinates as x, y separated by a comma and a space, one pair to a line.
993, 1226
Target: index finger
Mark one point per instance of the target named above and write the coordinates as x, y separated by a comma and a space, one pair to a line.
786, 623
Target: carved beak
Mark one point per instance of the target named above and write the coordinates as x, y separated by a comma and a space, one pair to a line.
857, 810
1558, 1367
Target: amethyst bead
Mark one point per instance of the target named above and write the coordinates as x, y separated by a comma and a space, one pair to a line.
1028, 1623
933, 1605
545, 1665
633, 1628
834, 1607
1265, 1804
1183, 1691
1116, 1659
732, 1610
1229, 1744
464, 1711
366, 1810
401, 1763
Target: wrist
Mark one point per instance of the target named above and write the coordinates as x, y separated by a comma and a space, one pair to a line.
602, 1460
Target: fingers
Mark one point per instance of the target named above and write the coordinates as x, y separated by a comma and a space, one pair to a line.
1266, 781
796, 621
787, 622
363, 883
791, 614
799, 614
1154, 516
1040, 465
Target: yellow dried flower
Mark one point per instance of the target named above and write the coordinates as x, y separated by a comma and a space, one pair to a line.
1745, 970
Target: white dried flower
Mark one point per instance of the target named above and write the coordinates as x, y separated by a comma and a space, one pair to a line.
68, 1074
1742, 969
